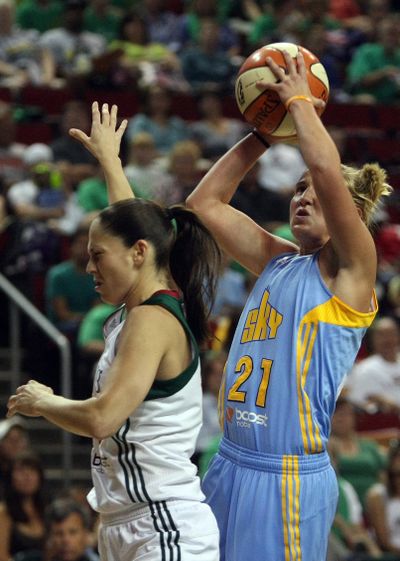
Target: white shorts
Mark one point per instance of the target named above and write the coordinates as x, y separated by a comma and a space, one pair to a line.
161, 531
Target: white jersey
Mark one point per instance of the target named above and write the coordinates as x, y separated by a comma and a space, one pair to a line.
148, 459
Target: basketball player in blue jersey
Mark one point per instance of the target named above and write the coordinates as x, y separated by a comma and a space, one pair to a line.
145, 412
271, 485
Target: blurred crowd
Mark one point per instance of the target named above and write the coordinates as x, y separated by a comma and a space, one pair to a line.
51, 190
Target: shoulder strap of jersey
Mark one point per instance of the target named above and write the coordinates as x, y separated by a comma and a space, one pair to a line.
165, 388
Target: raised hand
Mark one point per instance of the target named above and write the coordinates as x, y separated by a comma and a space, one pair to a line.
105, 137
291, 83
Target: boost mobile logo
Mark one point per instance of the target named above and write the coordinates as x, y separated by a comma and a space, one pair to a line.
245, 419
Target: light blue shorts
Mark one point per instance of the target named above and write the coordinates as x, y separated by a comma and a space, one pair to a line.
271, 508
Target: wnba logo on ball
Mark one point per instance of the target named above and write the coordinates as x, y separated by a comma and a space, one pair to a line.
239, 93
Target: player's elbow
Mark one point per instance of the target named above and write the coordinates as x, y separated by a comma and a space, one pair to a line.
103, 429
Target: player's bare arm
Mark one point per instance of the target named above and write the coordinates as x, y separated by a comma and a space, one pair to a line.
237, 234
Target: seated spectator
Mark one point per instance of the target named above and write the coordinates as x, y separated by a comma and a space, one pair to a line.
374, 382
146, 63
383, 506
92, 195
374, 70
68, 534
22, 59
41, 15
204, 65
70, 292
184, 169
199, 10
214, 132
14, 440
163, 24
90, 345
11, 152
266, 207
350, 539
90, 335
359, 460
232, 290
22, 525
143, 169
156, 119
101, 18
42, 197
73, 160
73, 48
281, 167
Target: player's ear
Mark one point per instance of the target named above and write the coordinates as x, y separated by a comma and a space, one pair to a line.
139, 252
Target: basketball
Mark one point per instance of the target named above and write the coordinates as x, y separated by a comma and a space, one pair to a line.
263, 109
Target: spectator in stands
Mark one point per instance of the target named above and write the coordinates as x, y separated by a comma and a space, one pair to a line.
90, 345
68, 534
14, 440
73, 48
42, 197
41, 15
146, 63
261, 204
92, 195
22, 59
232, 290
374, 70
156, 119
184, 171
374, 382
102, 19
214, 132
22, 526
199, 10
11, 151
74, 162
70, 292
359, 460
212, 369
91, 336
349, 539
163, 24
143, 169
383, 506
280, 168
204, 65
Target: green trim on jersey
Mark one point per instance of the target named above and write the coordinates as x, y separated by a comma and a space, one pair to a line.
165, 388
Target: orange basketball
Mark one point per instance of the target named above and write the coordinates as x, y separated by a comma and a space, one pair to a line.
263, 109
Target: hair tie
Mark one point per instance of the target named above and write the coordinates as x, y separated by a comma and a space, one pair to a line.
174, 225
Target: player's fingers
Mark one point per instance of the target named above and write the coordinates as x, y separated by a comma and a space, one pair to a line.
122, 127
290, 63
318, 103
276, 70
79, 135
113, 116
301, 65
95, 113
105, 114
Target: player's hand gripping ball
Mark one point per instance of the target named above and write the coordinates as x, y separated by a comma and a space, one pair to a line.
263, 109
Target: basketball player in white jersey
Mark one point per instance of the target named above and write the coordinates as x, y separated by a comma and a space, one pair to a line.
144, 415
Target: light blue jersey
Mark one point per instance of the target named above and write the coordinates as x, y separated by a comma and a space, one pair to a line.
293, 346
294, 343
